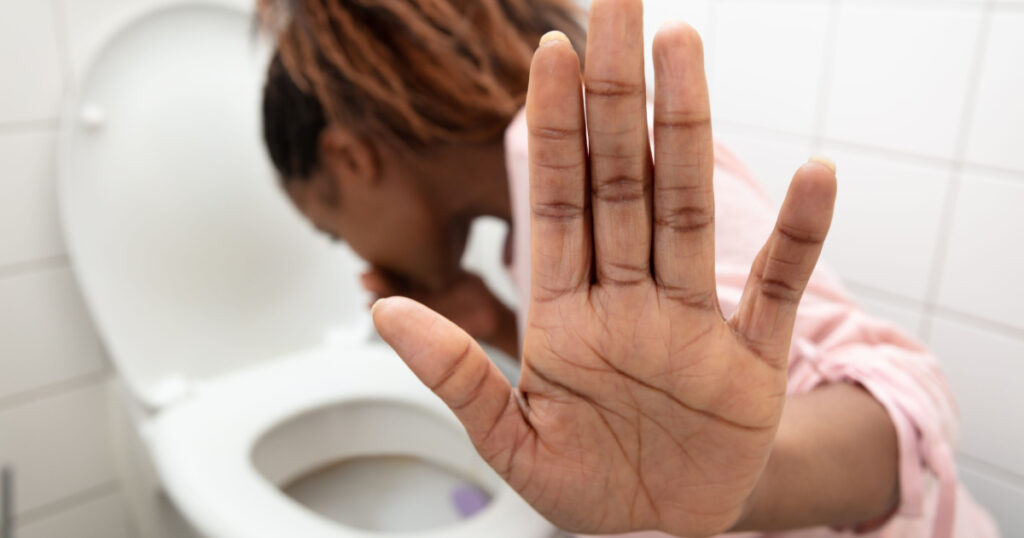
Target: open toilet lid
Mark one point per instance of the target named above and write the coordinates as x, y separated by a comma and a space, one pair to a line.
190, 258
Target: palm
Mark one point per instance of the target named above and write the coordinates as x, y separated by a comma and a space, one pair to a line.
666, 411
639, 406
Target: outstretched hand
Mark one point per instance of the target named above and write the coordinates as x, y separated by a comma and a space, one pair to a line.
639, 405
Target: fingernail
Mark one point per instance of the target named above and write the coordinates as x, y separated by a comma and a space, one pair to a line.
824, 161
376, 304
553, 37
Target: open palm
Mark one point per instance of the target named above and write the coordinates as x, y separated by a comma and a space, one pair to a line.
639, 405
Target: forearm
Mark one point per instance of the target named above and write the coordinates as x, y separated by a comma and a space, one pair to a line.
834, 462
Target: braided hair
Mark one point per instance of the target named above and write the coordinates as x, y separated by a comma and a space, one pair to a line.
420, 72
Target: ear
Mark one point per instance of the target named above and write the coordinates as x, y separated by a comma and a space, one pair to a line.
348, 159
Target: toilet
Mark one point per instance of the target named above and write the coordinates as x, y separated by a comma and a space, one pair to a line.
248, 373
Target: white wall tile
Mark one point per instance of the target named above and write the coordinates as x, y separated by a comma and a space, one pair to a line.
997, 129
768, 60
900, 76
985, 370
59, 446
658, 12
29, 228
773, 159
985, 261
1002, 498
105, 517
898, 313
46, 335
30, 72
886, 224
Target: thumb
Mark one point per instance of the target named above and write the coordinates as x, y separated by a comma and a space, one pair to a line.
452, 364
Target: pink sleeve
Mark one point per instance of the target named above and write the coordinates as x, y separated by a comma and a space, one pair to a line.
837, 342
517, 165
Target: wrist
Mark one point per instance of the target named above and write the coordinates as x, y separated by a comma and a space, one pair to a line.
758, 510
835, 434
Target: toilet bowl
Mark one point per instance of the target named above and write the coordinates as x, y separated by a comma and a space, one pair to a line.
221, 459
239, 335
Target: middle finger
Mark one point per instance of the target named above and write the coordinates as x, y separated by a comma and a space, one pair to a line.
620, 154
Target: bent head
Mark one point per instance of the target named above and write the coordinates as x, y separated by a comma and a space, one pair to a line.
381, 116
369, 194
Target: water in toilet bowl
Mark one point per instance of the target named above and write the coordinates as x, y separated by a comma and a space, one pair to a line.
377, 464
389, 494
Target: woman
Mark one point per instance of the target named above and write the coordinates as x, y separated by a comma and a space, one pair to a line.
655, 368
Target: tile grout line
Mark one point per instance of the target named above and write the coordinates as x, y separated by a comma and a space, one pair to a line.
899, 301
38, 265
709, 46
26, 397
28, 126
755, 131
935, 276
60, 24
1009, 331
863, 291
68, 502
748, 129
1006, 475
956, 179
879, 294
1002, 173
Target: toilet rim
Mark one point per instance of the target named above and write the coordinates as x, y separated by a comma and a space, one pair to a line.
205, 461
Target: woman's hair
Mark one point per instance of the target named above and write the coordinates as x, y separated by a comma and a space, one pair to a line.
421, 72
292, 122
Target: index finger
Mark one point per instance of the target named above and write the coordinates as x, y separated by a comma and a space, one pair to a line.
559, 209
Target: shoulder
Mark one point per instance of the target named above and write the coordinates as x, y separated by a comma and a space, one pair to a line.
517, 136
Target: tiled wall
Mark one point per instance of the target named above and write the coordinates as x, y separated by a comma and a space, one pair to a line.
920, 101
54, 419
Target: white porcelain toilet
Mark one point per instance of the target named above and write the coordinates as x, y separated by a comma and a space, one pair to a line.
240, 338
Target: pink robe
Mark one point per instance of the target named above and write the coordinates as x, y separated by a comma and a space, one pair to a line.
834, 341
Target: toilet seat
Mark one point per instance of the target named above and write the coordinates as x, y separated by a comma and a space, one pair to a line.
203, 447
